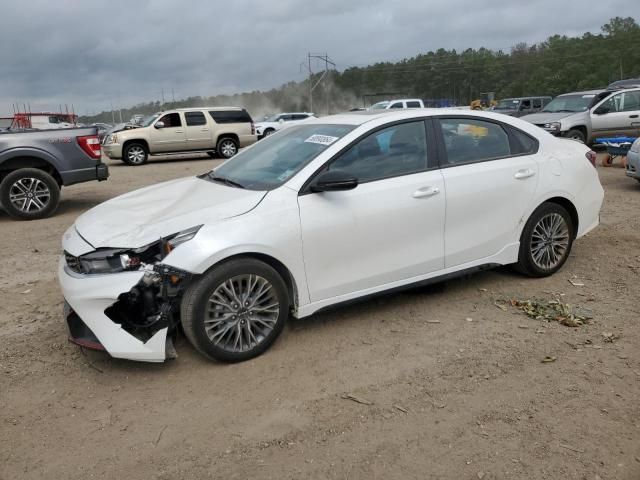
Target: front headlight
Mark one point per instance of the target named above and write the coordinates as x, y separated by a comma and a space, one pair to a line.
109, 139
555, 126
114, 260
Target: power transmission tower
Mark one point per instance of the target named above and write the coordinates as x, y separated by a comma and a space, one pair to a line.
312, 86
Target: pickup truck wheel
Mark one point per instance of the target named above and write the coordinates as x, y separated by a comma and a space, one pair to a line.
135, 154
227, 147
29, 194
576, 135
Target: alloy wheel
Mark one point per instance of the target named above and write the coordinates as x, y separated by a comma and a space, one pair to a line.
550, 241
241, 313
29, 195
228, 148
136, 154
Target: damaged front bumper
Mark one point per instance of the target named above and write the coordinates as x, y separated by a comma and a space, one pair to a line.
89, 297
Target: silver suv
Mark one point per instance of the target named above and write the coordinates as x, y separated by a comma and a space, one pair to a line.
223, 130
585, 116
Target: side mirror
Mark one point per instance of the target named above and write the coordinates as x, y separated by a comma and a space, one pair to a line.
333, 181
159, 124
602, 110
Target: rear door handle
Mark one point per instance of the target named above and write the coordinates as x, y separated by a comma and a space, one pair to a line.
426, 192
525, 173
177, 131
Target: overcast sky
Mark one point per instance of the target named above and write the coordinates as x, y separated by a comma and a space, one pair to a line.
92, 53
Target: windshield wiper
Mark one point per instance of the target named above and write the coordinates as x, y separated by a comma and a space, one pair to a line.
559, 111
227, 181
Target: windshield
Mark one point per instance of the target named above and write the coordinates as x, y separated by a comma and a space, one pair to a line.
380, 106
507, 104
149, 120
570, 103
275, 159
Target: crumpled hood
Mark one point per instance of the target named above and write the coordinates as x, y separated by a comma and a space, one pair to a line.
141, 217
544, 117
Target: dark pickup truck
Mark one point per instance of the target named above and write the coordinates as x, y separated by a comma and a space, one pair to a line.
35, 164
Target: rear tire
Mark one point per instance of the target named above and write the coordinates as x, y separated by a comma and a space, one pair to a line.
29, 194
546, 241
135, 154
235, 311
227, 147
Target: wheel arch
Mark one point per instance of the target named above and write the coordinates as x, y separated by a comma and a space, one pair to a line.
230, 135
18, 162
141, 141
277, 265
566, 204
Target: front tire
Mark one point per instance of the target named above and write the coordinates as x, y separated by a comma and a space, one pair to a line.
546, 241
29, 194
235, 311
227, 147
269, 131
135, 154
576, 135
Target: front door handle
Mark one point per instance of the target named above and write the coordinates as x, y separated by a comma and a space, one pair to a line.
426, 192
525, 173
633, 116
204, 130
177, 131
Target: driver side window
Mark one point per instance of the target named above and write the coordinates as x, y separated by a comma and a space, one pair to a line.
612, 104
171, 120
393, 151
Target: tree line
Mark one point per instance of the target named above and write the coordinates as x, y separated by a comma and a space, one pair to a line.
557, 65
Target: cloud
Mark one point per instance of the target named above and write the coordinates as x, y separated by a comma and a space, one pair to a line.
93, 53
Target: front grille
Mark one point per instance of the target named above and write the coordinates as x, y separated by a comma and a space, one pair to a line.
73, 262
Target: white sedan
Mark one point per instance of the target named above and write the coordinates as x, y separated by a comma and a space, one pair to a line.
325, 212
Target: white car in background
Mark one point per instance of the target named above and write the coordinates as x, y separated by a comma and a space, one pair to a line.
325, 212
400, 103
279, 121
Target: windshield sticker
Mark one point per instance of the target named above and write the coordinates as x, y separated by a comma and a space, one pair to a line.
321, 139
588, 96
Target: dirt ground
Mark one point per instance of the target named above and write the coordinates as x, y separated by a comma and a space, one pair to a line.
453, 386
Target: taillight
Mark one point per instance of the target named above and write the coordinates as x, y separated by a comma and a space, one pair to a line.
91, 146
253, 128
591, 156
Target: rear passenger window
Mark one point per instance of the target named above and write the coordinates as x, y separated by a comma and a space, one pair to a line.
537, 103
469, 140
195, 118
230, 116
300, 117
522, 143
413, 104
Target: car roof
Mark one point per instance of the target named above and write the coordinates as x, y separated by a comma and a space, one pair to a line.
360, 118
586, 92
195, 109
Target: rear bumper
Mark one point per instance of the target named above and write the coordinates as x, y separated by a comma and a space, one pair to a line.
100, 172
633, 165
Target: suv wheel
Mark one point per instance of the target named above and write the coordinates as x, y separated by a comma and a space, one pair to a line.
227, 147
576, 135
29, 194
546, 241
135, 154
269, 131
236, 310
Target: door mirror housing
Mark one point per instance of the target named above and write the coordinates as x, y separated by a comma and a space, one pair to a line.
159, 124
601, 110
333, 181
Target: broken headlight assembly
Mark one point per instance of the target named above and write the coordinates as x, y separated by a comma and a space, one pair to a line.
115, 260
